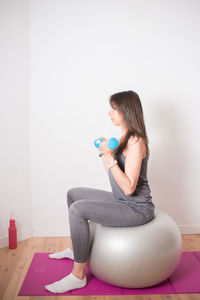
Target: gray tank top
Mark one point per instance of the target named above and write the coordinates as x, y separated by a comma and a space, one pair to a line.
141, 199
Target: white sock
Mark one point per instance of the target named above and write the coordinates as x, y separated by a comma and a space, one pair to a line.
67, 253
66, 284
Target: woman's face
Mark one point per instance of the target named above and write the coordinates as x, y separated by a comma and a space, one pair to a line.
116, 116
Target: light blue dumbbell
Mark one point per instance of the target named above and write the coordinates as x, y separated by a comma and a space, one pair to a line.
112, 143
98, 142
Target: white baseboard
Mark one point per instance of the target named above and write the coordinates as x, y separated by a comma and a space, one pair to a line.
189, 229
63, 231
51, 231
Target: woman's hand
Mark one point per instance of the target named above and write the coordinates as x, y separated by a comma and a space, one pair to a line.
102, 138
104, 148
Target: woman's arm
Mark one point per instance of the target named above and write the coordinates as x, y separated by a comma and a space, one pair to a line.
128, 179
104, 162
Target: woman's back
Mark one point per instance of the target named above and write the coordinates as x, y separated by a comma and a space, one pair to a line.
141, 199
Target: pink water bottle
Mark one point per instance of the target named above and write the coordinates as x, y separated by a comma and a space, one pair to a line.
12, 233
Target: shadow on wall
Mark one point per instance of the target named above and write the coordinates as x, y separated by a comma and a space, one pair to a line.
169, 164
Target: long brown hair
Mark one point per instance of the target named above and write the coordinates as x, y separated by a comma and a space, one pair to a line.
129, 104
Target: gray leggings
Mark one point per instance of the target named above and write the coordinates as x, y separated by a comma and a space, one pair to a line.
98, 206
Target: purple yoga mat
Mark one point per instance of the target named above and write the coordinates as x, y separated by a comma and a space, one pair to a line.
44, 270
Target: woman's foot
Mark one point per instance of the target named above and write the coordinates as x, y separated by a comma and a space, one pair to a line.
67, 253
66, 284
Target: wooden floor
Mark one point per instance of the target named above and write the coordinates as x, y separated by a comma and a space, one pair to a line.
15, 263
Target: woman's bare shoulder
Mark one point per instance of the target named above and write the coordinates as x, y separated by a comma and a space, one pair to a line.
135, 139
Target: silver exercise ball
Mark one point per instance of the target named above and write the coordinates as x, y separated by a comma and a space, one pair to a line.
135, 257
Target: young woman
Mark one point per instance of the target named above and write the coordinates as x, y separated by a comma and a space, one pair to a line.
129, 203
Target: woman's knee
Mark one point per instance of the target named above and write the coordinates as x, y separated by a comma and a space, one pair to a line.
75, 209
71, 196
78, 209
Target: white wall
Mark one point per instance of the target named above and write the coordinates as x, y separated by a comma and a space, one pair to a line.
82, 52
15, 193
